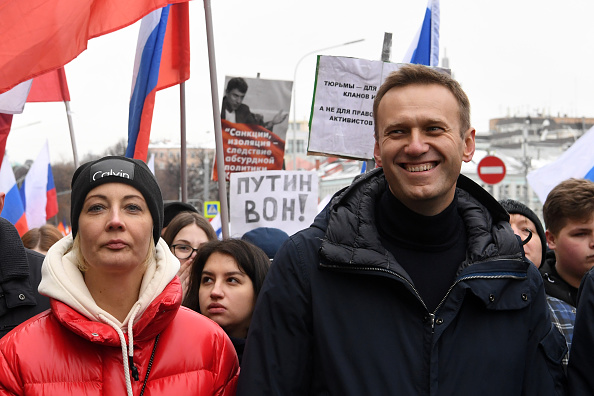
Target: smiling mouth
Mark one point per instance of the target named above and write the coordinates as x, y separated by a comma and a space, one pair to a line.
420, 167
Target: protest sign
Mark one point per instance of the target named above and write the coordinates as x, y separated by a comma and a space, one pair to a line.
286, 200
254, 121
342, 116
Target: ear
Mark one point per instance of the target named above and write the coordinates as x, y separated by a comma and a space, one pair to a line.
469, 144
551, 238
377, 154
2, 196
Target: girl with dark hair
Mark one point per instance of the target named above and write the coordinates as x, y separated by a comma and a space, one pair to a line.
225, 280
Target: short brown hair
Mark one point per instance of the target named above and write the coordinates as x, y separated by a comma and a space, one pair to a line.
42, 238
572, 199
423, 75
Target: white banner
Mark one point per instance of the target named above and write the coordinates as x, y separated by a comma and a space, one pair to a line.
286, 200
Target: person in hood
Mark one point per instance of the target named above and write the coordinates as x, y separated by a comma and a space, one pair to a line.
115, 325
411, 280
20, 274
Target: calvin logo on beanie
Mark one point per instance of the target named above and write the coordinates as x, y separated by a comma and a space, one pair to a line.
112, 167
116, 169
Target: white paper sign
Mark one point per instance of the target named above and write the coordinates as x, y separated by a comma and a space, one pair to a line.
342, 116
286, 200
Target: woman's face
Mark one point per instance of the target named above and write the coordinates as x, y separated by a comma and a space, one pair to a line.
115, 229
189, 237
226, 294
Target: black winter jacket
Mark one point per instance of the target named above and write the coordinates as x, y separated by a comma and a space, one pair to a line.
337, 314
555, 286
20, 274
581, 364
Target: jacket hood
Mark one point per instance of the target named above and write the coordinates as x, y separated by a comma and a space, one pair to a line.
62, 280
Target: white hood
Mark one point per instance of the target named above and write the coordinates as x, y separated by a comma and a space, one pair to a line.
62, 280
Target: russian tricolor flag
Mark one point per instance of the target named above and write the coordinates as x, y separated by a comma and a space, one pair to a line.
38, 190
216, 224
144, 80
13, 209
162, 60
424, 49
576, 162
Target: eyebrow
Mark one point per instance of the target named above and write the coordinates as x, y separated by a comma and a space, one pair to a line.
226, 273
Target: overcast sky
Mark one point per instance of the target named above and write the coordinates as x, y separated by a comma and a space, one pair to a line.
511, 57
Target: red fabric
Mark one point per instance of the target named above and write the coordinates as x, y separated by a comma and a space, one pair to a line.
144, 131
5, 123
51, 207
39, 36
50, 87
175, 59
83, 357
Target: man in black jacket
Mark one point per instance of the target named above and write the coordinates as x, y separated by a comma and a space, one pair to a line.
411, 281
20, 274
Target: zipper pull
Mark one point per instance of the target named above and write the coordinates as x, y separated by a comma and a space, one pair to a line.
135, 374
432, 318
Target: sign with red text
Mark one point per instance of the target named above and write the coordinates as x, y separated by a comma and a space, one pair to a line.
287, 200
254, 121
491, 169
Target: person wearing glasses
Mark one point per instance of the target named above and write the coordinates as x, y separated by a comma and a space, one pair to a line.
225, 281
184, 235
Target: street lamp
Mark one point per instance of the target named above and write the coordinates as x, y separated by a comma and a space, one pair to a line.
295, 94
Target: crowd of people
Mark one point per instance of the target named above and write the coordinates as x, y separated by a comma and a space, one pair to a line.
413, 280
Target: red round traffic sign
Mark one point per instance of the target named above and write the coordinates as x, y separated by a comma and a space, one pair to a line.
491, 169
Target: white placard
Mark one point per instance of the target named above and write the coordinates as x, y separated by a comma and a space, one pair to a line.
342, 116
286, 200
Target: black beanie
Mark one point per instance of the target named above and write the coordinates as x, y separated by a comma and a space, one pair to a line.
516, 207
116, 169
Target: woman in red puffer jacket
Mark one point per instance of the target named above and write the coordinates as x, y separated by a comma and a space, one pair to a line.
115, 326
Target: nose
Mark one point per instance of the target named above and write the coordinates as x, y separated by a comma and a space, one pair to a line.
115, 221
416, 143
217, 291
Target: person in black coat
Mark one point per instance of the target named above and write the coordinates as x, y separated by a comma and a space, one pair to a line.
20, 274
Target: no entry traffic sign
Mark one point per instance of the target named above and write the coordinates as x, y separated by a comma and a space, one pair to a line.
491, 169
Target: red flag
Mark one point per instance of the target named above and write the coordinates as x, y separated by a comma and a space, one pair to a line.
39, 36
50, 87
5, 122
175, 58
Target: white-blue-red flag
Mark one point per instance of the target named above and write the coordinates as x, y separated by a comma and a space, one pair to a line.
13, 209
424, 49
576, 162
162, 60
39, 192
217, 225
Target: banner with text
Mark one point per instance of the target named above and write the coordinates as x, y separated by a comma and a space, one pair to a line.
254, 121
287, 200
341, 123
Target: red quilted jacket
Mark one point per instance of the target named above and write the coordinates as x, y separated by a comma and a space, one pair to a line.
61, 352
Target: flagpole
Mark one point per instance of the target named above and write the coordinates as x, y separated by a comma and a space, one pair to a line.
64, 91
71, 128
216, 114
183, 165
